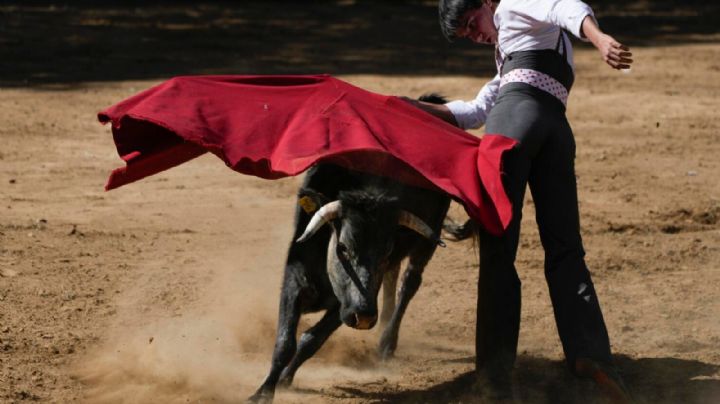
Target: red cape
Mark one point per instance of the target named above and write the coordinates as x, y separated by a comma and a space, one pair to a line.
277, 126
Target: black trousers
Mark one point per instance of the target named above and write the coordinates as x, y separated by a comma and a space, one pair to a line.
544, 159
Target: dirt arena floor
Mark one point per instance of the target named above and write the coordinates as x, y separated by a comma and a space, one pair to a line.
166, 290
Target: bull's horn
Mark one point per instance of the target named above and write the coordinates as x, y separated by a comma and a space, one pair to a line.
325, 214
417, 225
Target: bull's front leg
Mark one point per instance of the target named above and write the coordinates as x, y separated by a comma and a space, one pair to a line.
285, 344
310, 341
389, 287
412, 278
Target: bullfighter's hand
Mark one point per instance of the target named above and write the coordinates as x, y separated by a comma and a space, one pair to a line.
615, 54
439, 110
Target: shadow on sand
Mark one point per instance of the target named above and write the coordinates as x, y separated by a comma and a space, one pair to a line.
67, 43
538, 380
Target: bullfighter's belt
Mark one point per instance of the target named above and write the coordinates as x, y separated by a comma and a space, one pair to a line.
538, 80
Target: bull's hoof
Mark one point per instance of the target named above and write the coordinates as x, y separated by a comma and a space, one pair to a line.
261, 397
285, 381
386, 348
386, 354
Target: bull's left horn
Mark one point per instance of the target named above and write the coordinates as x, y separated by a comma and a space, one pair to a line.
322, 216
417, 225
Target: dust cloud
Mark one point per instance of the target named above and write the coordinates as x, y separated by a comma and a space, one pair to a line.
218, 347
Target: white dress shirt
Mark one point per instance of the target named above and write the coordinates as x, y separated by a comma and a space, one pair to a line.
523, 25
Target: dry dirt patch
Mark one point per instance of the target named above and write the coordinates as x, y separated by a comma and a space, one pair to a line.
168, 287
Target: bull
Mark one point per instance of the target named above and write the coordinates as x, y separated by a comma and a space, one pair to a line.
352, 231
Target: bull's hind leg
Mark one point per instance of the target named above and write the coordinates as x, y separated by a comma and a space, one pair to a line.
310, 341
389, 287
412, 278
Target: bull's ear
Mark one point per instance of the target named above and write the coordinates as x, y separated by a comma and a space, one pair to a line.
310, 200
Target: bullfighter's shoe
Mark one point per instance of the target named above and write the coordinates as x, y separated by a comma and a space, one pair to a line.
494, 388
606, 377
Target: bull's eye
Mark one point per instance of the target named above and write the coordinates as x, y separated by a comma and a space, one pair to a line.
389, 247
342, 251
386, 254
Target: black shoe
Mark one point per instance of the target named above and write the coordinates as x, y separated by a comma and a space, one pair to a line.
606, 377
494, 389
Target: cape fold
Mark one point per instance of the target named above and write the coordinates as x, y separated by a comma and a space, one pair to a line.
278, 126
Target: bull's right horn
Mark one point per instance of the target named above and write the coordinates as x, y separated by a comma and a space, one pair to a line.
325, 214
416, 224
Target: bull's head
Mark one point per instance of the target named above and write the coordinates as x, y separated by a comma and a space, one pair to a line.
364, 228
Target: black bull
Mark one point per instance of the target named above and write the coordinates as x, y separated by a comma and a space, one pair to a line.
340, 265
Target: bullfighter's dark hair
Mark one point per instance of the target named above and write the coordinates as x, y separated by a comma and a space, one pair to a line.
433, 98
452, 11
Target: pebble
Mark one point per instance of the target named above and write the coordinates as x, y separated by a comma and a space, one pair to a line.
7, 273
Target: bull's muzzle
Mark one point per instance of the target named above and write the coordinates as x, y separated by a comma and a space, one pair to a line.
361, 321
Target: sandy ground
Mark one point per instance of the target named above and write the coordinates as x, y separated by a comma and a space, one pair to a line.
166, 290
